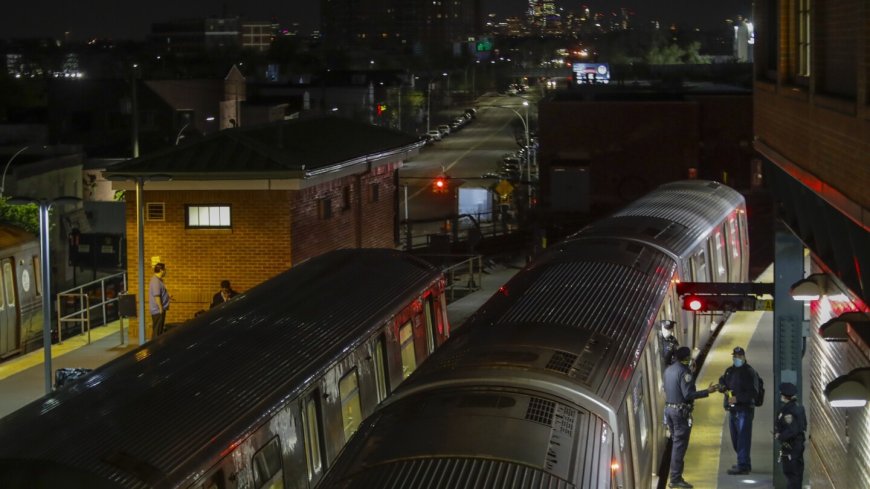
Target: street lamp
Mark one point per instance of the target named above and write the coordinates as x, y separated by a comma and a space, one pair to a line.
140, 237
45, 263
3, 182
525, 121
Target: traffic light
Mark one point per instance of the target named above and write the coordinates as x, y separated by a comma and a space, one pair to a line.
381, 108
441, 184
719, 302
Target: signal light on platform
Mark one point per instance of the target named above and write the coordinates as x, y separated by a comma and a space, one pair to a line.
721, 302
693, 303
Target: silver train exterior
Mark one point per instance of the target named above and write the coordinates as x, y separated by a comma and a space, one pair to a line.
556, 382
260, 392
20, 291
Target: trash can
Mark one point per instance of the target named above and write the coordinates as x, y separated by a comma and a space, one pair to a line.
127, 305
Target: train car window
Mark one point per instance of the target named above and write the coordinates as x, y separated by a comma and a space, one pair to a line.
721, 257
313, 445
733, 235
215, 481
382, 375
699, 266
37, 275
266, 464
9, 283
351, 409
429, 316
2, 286
409, 358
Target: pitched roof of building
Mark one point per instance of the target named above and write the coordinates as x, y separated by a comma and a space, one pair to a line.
285, 149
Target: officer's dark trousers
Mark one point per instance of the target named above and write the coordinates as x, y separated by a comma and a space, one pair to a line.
793, 468
741, 436
680, 431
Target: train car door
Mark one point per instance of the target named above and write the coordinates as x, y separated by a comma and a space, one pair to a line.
9, 321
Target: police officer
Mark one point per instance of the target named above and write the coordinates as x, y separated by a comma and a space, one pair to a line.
791, 423
669, 342
740, 383
680, 395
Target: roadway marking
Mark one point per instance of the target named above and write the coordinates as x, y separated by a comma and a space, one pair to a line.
458, 158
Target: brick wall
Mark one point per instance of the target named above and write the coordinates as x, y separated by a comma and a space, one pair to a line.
364, 223
824, 135
256, 248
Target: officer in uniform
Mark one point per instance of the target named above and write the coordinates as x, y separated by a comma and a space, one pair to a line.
680, 395
669, 342
791, 423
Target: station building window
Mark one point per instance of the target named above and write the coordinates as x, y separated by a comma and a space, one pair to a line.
209, 216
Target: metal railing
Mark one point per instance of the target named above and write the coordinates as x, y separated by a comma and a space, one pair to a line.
98, 296
462, 273
423, 233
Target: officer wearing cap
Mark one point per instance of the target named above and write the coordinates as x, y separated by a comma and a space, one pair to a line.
669, 342
791, 423
740, 383
680, 395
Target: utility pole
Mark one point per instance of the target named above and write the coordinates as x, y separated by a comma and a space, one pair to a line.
134, 109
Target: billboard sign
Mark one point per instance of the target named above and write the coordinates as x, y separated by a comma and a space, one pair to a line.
589, 73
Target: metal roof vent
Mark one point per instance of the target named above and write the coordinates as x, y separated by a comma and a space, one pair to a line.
540, 411
561, 362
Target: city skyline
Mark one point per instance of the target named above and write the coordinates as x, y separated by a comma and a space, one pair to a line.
128, 20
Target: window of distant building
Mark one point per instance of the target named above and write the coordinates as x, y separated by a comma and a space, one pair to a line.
208, 216
345, 198
324, 208
804, 36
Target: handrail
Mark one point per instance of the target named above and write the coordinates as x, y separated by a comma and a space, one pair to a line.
83, 313
472, 268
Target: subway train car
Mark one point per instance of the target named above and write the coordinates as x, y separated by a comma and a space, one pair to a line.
20, 291
556, 382
262, 391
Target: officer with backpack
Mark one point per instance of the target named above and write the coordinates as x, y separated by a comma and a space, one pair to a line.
744, 390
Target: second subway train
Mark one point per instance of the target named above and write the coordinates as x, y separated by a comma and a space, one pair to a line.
557, 381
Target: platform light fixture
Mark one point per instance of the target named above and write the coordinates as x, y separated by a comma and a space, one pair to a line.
837, 328
850, 390
810, 288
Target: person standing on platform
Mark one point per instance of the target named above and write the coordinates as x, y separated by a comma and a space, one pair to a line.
741, 385
680, 395
791, 423
669, 342
224, 295
159, 300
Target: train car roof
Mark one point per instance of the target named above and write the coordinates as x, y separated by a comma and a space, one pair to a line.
581, 312
675, 216
139, 418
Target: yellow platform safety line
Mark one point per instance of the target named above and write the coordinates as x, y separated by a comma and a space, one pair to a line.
702, 457
37, 357
710, 419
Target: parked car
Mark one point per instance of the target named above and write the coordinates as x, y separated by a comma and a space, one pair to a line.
445, 129
434, 135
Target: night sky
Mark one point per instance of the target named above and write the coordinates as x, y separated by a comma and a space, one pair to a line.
131, 19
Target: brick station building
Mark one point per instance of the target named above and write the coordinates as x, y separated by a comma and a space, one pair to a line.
245, 204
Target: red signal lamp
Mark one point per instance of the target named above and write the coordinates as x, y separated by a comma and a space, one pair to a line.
693, 303
439, 185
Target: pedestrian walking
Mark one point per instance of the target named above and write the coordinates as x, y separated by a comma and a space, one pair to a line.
159, 300
680, 395
791, 423
741, 385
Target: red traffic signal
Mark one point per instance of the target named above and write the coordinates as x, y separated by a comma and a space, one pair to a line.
440, 185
